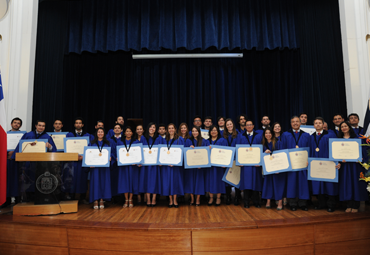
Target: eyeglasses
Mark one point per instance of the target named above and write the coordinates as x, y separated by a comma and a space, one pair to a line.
197, 120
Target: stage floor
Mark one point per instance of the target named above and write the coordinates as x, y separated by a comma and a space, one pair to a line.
188, 230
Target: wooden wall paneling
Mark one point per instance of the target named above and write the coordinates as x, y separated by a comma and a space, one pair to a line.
358, 247
24, 249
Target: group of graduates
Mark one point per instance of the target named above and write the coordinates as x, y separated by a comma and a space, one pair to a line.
103, 183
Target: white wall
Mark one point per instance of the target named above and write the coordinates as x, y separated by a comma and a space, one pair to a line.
355, 26
17, 59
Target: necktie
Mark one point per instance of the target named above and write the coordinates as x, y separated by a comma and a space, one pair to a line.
319, 133
296, 132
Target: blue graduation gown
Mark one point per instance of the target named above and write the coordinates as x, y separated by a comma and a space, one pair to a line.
350, 187
111, 133
320, 187
79, 180
171, 177
194, 178
150, 176
297, 184
128, 176
359, 130
274, 185
250, 176
100, 180
29, 168
214, 174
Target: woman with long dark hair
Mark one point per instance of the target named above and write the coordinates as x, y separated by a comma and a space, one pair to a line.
274, 185
213, 176
171, 176
194, 178
150, 176
100, 188
351, 189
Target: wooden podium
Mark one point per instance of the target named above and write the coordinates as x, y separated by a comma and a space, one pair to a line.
45, 208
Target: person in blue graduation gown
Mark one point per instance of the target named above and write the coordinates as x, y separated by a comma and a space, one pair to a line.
298, 188
274, 185
230, 134
139, 136
319, 148
251, 181
100, 176
79, 181
117, 130
221, 124
194, 178
128, 175
276, 128
150, 176
171, 176
29, 168
213, 175
120, 120
337, 120
351, 189
354, 119
99, 124
12, 174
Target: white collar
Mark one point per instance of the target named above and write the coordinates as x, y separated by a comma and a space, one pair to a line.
298, 130
336, 128
77, 132
251, 133
322, 131
355, 127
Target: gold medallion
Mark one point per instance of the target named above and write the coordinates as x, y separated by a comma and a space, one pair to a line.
270, 157
250, 148
100, 154
127, 154
297, 146
168, 152
317, 149
150, 152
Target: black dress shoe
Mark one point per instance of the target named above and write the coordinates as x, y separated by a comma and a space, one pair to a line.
331, 209
170, 206
304, 208
319, 207
228, 200
246, 205
258, 206
236, 201
293, 208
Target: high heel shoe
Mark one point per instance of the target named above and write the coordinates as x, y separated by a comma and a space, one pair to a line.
130, 204
176, 206
96, 205
170, 206
209, 204
125, 205
153, 205
218, 204
101, 205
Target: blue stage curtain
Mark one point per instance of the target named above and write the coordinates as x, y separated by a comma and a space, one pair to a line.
101, 25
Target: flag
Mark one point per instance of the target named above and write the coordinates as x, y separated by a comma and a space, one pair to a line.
367, 119
3, 146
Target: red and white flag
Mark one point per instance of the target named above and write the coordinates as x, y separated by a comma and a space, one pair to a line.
3, 146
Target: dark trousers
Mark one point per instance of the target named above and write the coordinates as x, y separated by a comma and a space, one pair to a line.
326, 201
353, 204
294, 202
251, 195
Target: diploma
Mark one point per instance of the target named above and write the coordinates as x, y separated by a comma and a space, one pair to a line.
174, 157
93, 157
299, 158
308, 129
76, 144
13, 138
198, 157
132, 157
58, 138
232, 175
247, 155
150, 156
345, 149
204, 133
322, 169
34, 145
222, 156
276, 162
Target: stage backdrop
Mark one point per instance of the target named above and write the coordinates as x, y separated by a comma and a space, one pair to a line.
292, 60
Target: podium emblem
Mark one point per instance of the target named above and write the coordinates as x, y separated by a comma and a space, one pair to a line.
46, 183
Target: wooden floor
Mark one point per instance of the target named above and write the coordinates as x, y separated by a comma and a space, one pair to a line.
187, 230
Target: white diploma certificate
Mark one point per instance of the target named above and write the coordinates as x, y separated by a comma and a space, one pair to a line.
298, 159
197, 158
345, 150
76, 146
233, 175
276, 162
93, 158
246, 156
204, 133
133, 156
58, 140
221, 157
172, 158
13, 140
150, 158
322, 170
33, 146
